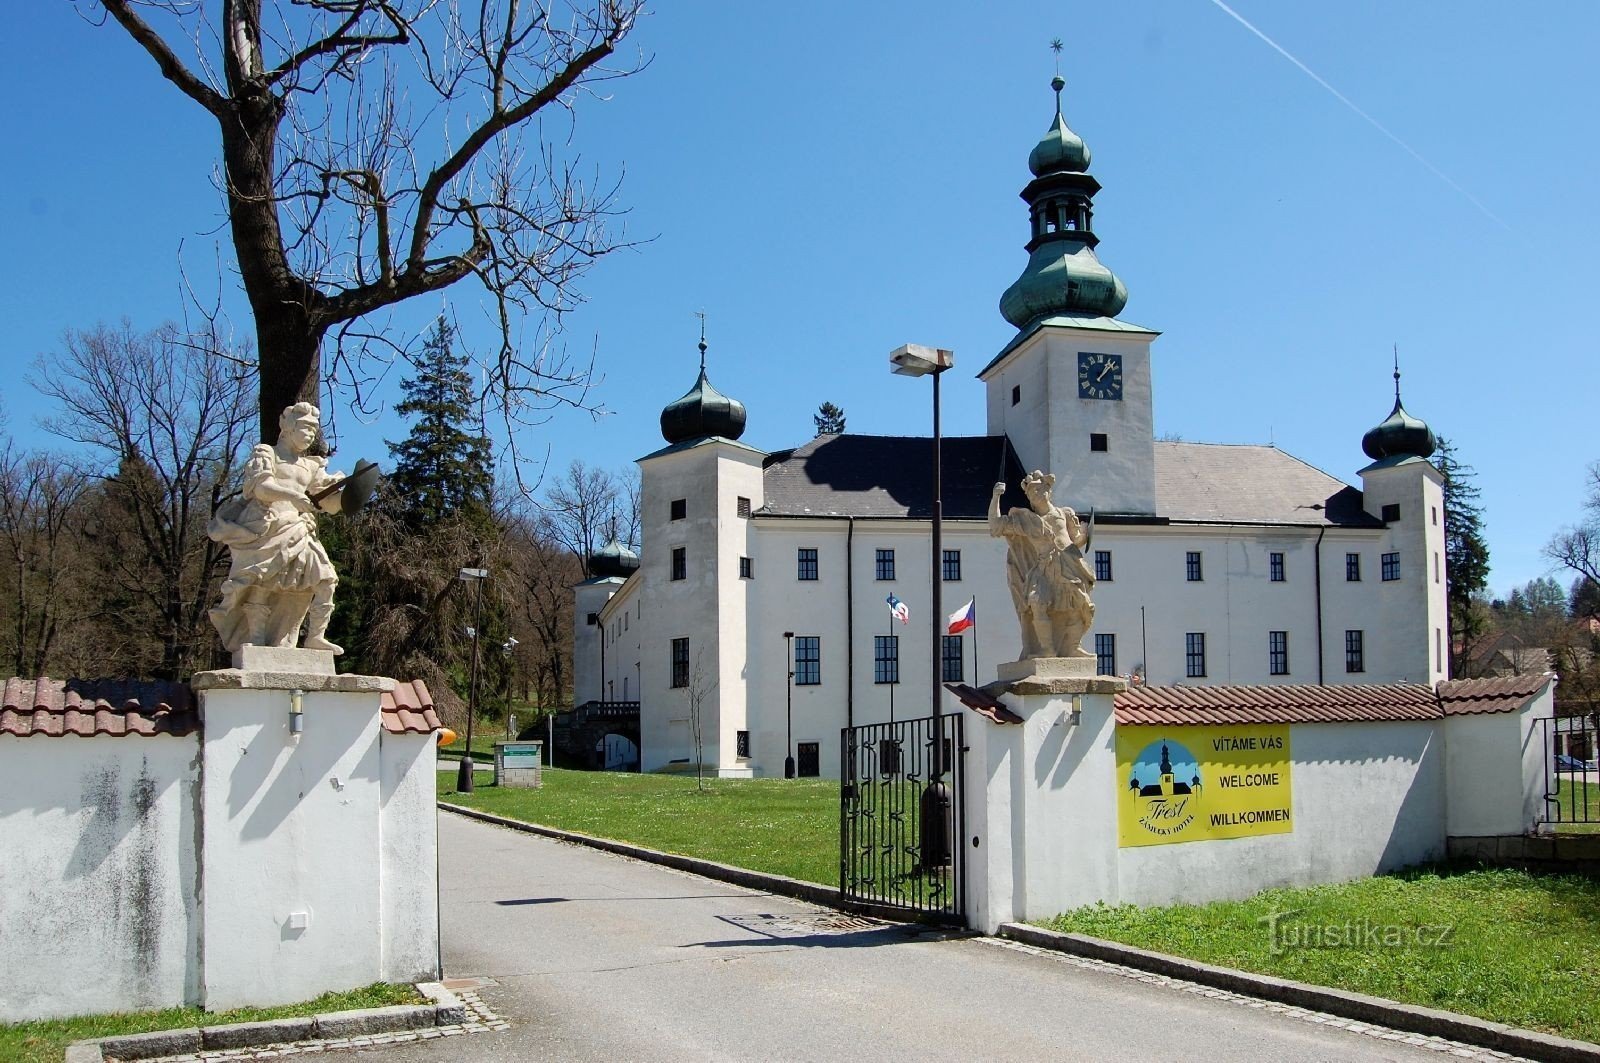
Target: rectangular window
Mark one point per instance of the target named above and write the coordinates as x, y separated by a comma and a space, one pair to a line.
1098, 442
1352, 568
1391, 512
680, 508
741, 744
1391, 567
952, 657
808, 562
1436, 566
680, 662
747, 568
886, 658
1016, 394
1194, 653
807, 660
1275, 567
952, 566
1102, 566
1438, 649
1191, 566
1355, 659
680, 562
885, 564
1278, 652
810, 760
1105, 654
1435, 510
743, 506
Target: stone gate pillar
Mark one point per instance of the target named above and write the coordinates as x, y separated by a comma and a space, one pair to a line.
1041, 794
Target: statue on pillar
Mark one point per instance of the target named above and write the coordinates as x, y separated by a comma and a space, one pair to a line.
1049, 579
279, 574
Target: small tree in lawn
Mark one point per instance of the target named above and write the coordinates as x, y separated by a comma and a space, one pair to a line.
829, 419
701, 685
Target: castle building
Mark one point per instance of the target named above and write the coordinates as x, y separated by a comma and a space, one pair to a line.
1215, 564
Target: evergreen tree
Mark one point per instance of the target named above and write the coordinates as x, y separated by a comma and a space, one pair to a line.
829, 419
1466, 553
443, 468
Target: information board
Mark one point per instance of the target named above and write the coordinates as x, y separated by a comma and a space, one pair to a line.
1184, 784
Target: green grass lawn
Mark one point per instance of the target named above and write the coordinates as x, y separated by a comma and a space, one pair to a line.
1522, 948
485, 733
47, 1040
1576, 802
781, 826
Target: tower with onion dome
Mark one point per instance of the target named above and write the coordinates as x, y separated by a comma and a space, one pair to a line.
1072, 388
696, 497
1402, 489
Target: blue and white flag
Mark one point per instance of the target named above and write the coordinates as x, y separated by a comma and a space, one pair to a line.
898, 610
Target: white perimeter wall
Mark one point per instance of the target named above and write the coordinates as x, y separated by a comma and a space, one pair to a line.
1367, 798
98, 906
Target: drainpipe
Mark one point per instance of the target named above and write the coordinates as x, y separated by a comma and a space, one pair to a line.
849, 624
1317, 561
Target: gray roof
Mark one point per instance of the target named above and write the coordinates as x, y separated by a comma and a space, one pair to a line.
1225, 483
891, 476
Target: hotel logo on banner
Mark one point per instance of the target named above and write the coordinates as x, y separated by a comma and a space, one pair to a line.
1184, 784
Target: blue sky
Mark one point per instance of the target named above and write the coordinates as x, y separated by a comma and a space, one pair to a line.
828, 181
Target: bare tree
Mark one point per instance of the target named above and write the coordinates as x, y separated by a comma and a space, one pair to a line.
588, 507
374, 151
702, 684
41, 496
539, 600
1578, 548
171, 415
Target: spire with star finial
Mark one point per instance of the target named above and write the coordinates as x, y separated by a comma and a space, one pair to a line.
1063, 275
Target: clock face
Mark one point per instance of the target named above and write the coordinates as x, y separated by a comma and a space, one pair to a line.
1099, 376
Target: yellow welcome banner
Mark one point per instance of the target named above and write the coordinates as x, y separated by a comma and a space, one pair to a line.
1186, 784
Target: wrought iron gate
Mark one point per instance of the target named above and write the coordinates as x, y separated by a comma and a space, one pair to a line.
901, 819
1571, 770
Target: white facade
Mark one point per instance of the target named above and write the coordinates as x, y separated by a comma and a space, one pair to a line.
1219, 565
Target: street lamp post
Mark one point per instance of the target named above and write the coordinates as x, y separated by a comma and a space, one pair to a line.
464, 772
509, 646
788, 710
913, 359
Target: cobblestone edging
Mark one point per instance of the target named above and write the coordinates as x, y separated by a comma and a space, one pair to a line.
815, 893
1389, 1020
449, 1014
1543, 852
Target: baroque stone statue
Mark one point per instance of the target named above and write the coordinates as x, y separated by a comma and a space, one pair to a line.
1045, 568
279, 574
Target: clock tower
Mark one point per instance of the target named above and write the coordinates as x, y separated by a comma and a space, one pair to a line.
1072, 388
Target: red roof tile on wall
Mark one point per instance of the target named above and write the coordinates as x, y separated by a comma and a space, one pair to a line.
1179, 706
1459, 697
408, 709
56, 708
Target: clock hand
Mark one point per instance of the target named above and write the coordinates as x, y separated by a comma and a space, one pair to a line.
1103, 371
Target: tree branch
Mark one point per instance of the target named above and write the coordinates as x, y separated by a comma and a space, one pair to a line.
171, 68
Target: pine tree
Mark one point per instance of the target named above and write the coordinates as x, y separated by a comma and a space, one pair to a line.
829, 419
1466, 554
443, 468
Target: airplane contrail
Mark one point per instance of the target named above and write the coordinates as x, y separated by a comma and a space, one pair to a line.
1379, 126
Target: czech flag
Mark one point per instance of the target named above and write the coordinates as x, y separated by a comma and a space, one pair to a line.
965, 617
898, 610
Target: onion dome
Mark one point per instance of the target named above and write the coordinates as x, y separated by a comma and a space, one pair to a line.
613, 559
1063, 275
1400, 435
703, 412
1061, 148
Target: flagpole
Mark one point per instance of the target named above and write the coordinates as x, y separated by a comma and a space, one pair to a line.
975, 678
894, 681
